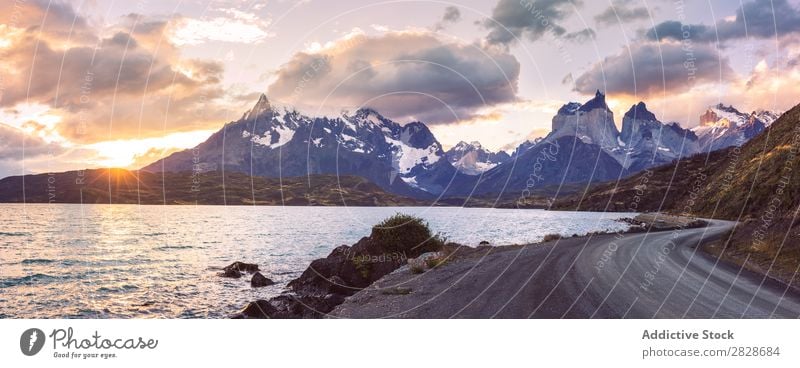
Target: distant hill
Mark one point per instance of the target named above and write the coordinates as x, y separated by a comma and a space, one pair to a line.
131, 187
757, 184
662, 188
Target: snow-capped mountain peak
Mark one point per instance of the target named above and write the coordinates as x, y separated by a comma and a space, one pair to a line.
272, 142
722, 115
464, 146
367, 117
724, 126
766, 116
472, 159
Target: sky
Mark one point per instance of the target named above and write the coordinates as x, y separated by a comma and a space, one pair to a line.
95, 83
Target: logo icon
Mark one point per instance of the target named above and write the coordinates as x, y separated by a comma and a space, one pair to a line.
31, 341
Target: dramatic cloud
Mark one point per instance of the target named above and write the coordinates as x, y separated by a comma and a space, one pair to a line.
757, 19
531, 19
650, 68
116, 65
405, 75
119, 81
621, 12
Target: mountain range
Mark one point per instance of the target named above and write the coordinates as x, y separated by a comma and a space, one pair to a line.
405, 159
583, 147
757, 185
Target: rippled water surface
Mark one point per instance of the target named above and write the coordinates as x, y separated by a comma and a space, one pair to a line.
121, 261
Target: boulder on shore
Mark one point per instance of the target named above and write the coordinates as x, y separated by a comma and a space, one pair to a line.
230, 273
242, 267
328, 281
257, 309
260, 280
348, 269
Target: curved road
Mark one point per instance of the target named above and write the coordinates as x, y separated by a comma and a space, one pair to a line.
645, 275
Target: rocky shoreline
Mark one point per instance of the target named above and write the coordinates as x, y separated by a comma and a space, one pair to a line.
348, 269
399, 244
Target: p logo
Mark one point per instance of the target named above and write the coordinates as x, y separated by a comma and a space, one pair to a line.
31, 341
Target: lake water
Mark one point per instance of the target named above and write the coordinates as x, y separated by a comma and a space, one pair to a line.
123, 261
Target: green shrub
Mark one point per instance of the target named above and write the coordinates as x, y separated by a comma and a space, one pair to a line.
551, 237
434, 261
406, 234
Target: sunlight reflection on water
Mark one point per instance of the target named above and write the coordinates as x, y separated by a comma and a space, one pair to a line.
122, 261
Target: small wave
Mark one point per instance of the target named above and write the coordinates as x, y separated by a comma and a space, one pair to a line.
286, 272
30, 279
168, 247
90, 313
154, 234
37, 261
14, 234
116, 289
188, 313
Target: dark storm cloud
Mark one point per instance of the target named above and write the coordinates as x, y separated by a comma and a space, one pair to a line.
641, 72
621, 12
758, 19
403, 75
530, 19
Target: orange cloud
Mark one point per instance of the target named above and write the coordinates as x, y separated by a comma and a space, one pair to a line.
118, 82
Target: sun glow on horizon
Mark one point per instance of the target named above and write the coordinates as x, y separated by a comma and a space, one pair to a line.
128, 153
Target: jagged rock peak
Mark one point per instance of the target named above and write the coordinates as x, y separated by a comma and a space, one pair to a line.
709, 117
366, 111
260, 107
639, 112
369, 116
569, 109
462, 145
722, 106
598, 102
